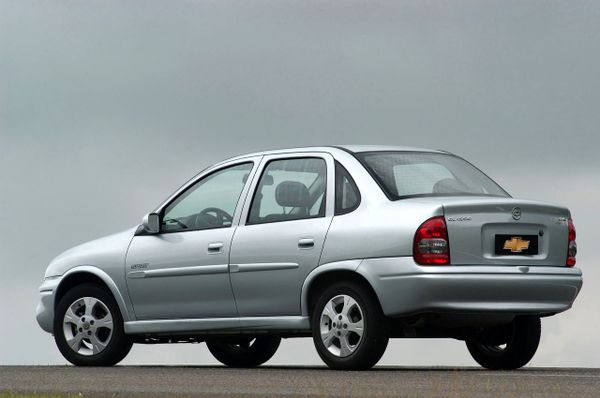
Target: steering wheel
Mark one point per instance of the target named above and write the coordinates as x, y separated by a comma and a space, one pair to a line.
175, 221
219, 218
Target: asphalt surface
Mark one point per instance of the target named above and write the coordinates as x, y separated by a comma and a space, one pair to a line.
269, 381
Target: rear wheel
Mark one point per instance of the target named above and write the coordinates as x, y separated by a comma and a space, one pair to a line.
508, 347
349, 329
246, 352
88, 327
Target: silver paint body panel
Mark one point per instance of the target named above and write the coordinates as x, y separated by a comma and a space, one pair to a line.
261, 278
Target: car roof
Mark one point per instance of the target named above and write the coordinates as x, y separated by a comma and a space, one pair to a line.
334, 148
385, 148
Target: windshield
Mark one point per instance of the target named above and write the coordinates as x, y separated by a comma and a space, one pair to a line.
410, 174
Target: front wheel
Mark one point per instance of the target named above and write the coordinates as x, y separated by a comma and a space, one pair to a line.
349, 329
509, 347
88, 327
244, 352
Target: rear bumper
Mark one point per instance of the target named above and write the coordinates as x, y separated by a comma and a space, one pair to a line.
405, 288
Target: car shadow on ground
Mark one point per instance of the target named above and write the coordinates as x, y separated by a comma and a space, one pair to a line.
325, 368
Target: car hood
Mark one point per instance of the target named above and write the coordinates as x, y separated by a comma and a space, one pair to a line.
102, 252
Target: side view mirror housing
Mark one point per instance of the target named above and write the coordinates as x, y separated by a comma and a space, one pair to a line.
151, 223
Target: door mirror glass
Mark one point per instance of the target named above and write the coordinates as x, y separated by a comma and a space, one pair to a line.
151, 223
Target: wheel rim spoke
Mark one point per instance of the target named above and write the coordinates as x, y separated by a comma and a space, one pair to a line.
348, 304
105, 322
356, 327
328, 337
345, 348
75, 342
90, 302
329, 310
70, 316
97, 345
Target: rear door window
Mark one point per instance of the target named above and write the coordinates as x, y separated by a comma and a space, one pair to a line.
290, 189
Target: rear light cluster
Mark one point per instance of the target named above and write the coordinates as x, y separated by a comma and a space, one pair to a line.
572, 250
431, 245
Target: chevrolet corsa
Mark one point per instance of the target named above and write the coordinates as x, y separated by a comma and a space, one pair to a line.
350, 245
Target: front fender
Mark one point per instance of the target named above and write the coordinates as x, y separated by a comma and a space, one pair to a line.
90, 269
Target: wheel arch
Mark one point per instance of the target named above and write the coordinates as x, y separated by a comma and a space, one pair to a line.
90, 274
324, 275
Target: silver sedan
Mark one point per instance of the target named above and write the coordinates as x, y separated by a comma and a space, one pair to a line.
350, 245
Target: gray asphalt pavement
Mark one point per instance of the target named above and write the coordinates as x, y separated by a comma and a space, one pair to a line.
269, 381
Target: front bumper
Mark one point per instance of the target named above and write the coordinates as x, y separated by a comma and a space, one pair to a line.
405, 288
45, 307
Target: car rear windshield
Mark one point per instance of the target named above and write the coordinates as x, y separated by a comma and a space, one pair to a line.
411, 174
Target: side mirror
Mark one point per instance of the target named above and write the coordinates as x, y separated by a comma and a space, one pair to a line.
151, 223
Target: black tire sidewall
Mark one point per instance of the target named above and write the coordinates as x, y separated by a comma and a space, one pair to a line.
376, 330
261, 350
119, 344
522, 348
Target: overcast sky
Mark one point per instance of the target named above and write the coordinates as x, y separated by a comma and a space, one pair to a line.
106, 107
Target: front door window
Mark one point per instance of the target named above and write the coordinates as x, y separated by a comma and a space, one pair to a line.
210, 203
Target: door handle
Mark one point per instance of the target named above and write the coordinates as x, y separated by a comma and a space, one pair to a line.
306, 243
215, 248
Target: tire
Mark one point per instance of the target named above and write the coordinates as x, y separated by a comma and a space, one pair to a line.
347, 305
88, 319
520, 339
243, 352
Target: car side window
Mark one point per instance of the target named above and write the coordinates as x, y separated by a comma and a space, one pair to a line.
347, 195
290, 189
209, 203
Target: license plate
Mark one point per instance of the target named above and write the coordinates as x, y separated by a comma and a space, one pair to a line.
516, 245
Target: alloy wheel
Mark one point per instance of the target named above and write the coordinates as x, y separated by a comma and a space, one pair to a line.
342, 325
88, 326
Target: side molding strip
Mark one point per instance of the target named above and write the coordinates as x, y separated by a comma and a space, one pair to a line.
251, 267
180, 271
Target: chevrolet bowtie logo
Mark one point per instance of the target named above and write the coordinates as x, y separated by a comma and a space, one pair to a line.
516, 244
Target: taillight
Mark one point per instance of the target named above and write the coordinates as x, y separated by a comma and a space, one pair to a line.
572, 248
431, 245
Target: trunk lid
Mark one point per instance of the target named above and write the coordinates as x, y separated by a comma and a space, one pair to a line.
505, 231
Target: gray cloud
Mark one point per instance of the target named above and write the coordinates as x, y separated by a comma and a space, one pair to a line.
107, 107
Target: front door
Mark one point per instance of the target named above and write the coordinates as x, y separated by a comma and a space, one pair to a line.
281, 233
182, 272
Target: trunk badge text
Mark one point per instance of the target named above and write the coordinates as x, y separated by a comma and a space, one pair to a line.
462, 218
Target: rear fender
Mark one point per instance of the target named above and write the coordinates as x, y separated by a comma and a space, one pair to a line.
346, 265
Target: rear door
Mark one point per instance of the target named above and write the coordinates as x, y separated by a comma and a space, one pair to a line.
281, 233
